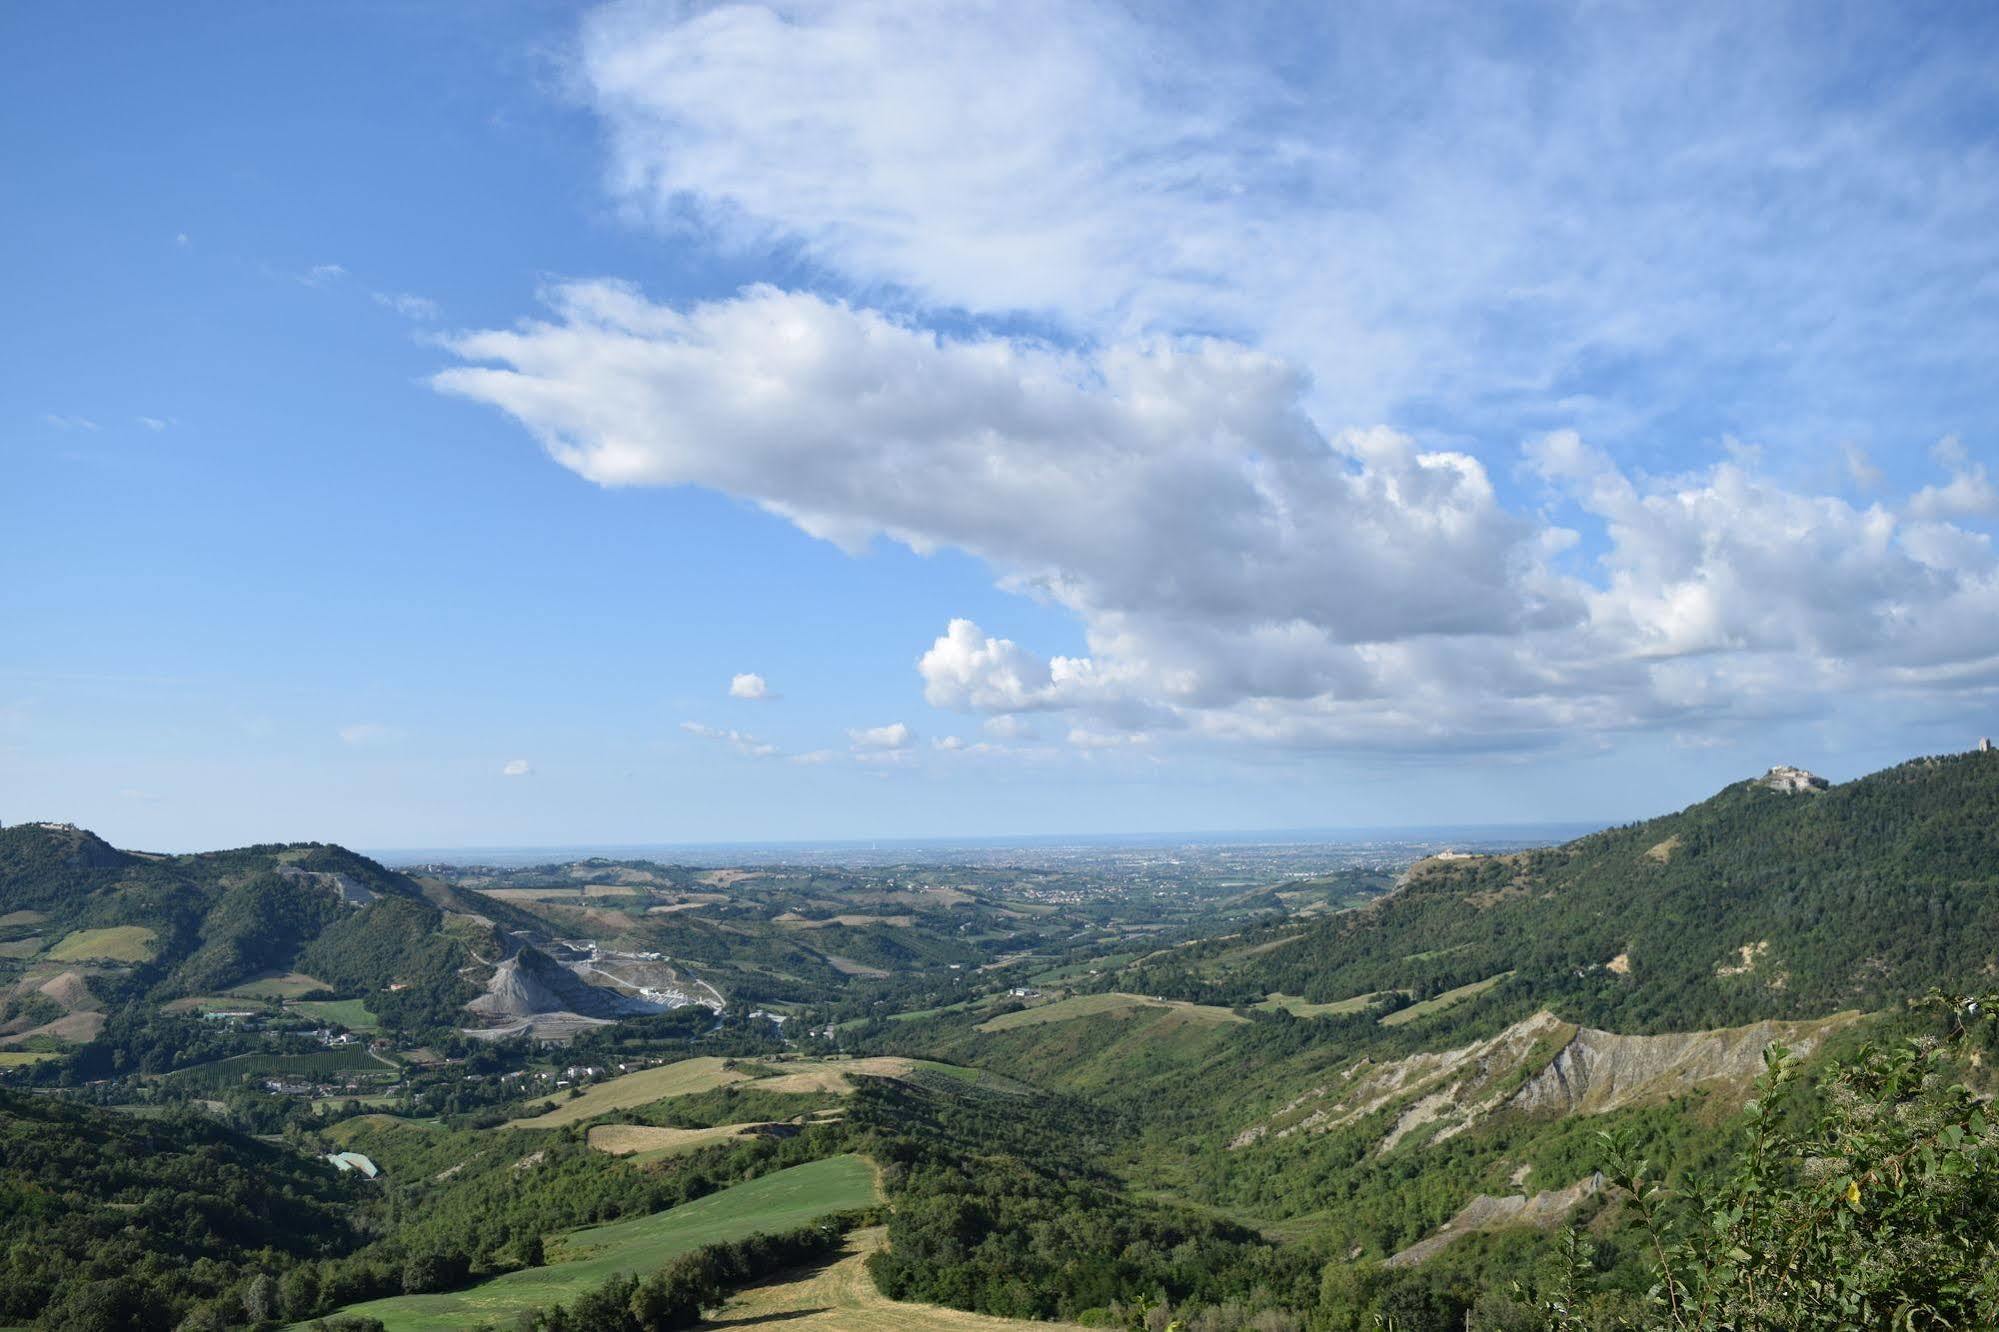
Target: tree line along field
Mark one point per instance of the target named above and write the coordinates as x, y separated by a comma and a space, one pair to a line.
842, 1297
689, 1077
583, 1259
318, 1063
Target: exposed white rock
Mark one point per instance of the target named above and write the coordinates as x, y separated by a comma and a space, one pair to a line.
1792, 781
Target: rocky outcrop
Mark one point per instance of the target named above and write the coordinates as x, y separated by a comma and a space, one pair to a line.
1453, 1086
1434, 1096
1486, 1212
1600, 1071
349, 889
1792, 781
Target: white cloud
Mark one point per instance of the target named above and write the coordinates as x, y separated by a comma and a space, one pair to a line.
1527, 244
1100, 481
895, 735
420, 308
62, 422
516, 768
1241, 576
153, 423
813, 757
1414, 208
1008, 727
750, 686
368, 733
182, 240
743, 743
1968, 494
320, 275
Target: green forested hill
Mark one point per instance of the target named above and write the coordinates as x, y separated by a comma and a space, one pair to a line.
152, 928
1852, 896
100, 1213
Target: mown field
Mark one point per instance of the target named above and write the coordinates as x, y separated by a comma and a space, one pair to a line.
642, 1142
119, 943
841, 1297
635, 1089
1442, 1001
290, 985
352, 1014
706, 1073
1298, 1007
583, 1259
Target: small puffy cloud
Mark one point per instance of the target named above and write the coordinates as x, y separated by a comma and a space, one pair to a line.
749, 685
320, 275
813, 757
420, 308
950, 744
182, 240
67, 422
516, 768
1968, 494
153, 423
742, 742
968, 669
878, 739
365, 733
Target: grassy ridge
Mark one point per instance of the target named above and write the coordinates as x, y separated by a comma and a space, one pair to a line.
119, 943
584, 1259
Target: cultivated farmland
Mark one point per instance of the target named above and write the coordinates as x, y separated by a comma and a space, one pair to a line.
583, 1259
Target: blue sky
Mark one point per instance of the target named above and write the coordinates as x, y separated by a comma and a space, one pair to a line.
1081, 418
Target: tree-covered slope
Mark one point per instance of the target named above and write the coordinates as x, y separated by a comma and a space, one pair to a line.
122, 1221
1756, 903
152, 928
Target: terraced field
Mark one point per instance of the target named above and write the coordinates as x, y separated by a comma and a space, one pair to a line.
583, 1259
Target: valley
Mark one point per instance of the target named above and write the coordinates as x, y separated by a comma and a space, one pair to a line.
1049, 1092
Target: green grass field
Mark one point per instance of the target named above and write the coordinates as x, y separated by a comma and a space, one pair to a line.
582, 1259
119, 943
1299, 1008
1098, 1005
290, 985
214, 1003
352, 1014
320, 1063
1442, 1001
634, 1089
16, 1058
